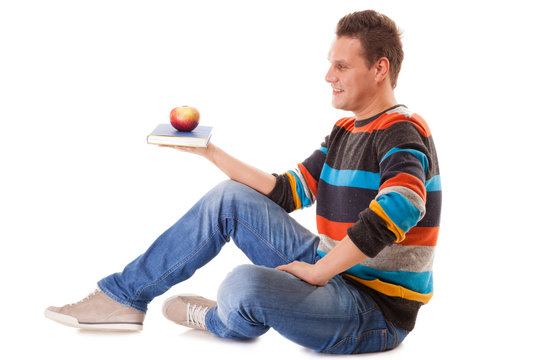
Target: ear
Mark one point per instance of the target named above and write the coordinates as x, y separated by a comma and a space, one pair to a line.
382, 69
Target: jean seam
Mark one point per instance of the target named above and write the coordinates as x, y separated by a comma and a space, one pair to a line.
174, 268
372, 303
259, 236
252, 308
358, 340
342, 341
392, 328
367, 311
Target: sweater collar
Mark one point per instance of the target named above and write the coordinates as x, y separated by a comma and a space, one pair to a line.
364, 122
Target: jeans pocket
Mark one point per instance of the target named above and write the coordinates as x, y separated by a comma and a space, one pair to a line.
369, 342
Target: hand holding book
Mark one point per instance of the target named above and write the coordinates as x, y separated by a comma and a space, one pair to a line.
197, 150
198, 142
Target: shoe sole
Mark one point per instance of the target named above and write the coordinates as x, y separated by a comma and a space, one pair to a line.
73, 322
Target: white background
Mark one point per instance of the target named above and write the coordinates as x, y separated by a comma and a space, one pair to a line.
83, 82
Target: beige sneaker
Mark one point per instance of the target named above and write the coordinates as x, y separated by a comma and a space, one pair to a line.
188, 310
97, 312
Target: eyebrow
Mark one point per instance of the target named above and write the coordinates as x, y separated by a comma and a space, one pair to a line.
339, 61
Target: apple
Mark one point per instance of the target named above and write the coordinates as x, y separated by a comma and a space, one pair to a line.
184, 118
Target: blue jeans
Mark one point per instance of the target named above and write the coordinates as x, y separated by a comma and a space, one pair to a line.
336, 318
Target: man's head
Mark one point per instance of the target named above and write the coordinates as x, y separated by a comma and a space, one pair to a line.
365, 62
379, 37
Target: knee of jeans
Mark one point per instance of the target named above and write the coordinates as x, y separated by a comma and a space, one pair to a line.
225, 191
242, 288
229, 187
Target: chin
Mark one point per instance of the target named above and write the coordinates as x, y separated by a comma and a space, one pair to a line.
339, 106
336, 104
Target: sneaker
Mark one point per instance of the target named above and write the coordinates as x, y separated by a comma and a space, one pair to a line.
97, 312
188, 310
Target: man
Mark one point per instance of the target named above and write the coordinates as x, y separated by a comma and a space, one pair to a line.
355, 287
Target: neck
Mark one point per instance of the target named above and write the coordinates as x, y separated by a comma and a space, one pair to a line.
376, 105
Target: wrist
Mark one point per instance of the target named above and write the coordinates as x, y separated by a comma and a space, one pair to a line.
209, 154
320, 273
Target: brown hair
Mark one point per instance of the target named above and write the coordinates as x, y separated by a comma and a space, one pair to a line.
379, 37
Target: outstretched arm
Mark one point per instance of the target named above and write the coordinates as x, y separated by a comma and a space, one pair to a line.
237, 170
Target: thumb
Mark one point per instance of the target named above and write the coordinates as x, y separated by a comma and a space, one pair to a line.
284, 267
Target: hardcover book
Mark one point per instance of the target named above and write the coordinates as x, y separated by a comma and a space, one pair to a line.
166, 134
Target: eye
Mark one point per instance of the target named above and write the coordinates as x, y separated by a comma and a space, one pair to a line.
341, 67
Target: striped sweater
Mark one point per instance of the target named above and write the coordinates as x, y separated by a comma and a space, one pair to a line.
376, 180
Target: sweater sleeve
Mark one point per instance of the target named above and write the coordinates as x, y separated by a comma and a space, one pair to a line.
296, 189
401, 199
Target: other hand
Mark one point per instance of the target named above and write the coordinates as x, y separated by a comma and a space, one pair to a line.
305, 271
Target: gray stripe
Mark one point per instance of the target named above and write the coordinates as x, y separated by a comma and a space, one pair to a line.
401, 110
395, 257
327, 243
411, 195
307, 190
398, 257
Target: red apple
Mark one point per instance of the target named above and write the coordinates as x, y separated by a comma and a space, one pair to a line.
184, 118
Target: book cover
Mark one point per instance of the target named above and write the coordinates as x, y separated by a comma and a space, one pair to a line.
166, 134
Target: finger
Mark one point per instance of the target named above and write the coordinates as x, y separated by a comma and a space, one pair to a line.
176, 147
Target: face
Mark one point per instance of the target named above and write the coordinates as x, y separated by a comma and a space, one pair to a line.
353, 84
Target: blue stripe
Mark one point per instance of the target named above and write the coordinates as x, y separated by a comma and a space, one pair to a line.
418, 154
434, 184
400, 210
352, 178
323, 149
304, 200
420, 282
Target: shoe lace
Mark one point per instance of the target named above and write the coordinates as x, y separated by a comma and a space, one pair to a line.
86, 298
196, 315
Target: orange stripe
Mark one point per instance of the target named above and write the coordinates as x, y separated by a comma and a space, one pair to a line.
421, 123
335, 230
296, 199
393, 290
387, 120
409, 181
377, 209
421, 236
311, 182
417, 236
346, 123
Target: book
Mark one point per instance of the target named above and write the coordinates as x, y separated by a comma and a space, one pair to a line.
166, 134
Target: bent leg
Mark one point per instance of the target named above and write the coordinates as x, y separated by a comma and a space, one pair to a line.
259, 227
336, 318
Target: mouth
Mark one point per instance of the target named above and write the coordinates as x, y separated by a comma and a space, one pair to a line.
336, 91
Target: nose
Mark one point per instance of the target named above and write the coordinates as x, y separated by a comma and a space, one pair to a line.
330, 75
